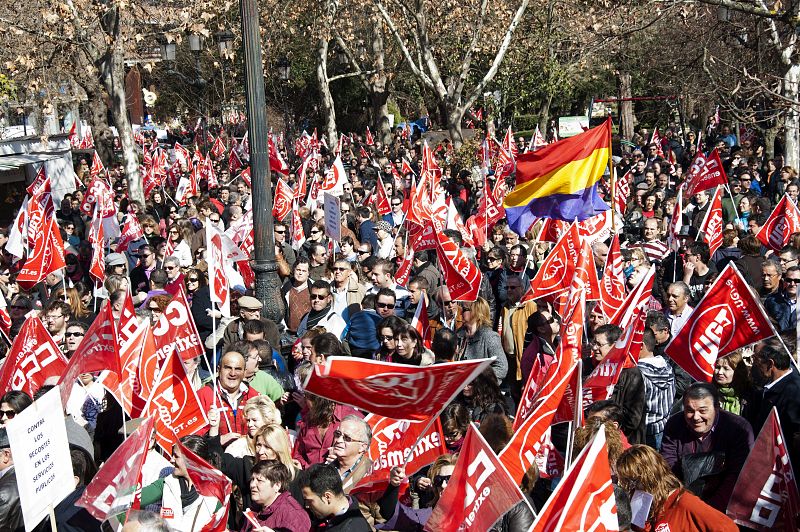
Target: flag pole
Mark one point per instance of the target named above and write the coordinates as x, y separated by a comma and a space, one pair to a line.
733, 200
214, 350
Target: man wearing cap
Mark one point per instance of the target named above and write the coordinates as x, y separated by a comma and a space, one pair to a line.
10, 507
249, 309
383, 230
116, 264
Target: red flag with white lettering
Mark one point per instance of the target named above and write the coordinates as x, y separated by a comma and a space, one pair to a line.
113, 488
393, 441
383, 205
137, 359
176, 330
97, 351
420, 321
235, 163
781, 224
218, 149
479, 491
404, 269
461, 275
637, 298
520, 452
335, 178
766, 497
713, 226
174, 405
559, 267
584, 499
706, 172
728, 317
369, 140
217, 279
209, 482
45, 246
40, 183
283, 200
131, 231
32, 359
612, 285
404, 392
622, 191
97, 268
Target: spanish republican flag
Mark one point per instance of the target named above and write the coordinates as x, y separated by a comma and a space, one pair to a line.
560, 180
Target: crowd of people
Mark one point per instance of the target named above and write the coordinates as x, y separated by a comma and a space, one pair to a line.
295, 459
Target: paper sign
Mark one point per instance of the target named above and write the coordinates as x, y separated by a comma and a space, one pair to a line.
333, 217
640, 508
42, 462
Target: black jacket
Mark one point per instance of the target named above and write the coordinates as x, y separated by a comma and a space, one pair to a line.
785, 397
10, 508
350, 521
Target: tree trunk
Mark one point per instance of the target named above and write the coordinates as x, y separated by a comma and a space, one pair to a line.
97, 116
770, 134
328, 108
792, 120
544, 114
113, 75
379, 95
626, 107
454, 119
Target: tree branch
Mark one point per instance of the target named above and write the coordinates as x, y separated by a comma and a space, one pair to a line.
416, 69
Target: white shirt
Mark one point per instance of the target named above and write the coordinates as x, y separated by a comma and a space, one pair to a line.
677, 321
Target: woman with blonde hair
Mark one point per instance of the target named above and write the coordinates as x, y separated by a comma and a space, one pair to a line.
477, 339
79, 310
258, 412
272, 443
641, 468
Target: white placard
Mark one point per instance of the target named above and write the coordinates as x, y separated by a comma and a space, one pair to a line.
333, 217
42, 462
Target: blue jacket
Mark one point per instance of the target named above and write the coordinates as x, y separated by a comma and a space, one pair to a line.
366, 233
781, 308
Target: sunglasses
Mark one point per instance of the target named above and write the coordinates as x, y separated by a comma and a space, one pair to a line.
384, 305
318, 297
8, 414
192, 280
339, 269
363, 252
73, 334
282, 232
154, 309
386, 338
316, 232
169, 268
439, 480
347, 439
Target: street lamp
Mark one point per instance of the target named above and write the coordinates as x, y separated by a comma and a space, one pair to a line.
225, 42
268, 284
168, 51
195, 42
284, 67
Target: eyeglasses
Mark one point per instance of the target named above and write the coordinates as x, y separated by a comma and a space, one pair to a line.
192, 280
214, 220
439, 480
339, 269
318, 297
145, 255
169, 268
8, 414
790, 280
595, 343
384, 305
386, 338
315, 231
347, 439
73, 334
53, 317
363, 252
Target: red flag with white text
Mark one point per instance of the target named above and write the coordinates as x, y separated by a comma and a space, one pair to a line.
713, 225
33, 358
97, 268
404, 392
283, 200
113, 488
131, 232
209, 482
705, 172
766, 497
728, 317
460, 274
383, 205
782, 223
479, 491
335, 178
217, 279
584, 499
612, 285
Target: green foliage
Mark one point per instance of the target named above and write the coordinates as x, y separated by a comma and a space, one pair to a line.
7, 88
395, 110
525, 122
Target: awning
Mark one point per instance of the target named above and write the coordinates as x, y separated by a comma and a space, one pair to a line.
11, 162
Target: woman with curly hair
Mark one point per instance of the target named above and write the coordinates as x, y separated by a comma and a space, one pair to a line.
641, 468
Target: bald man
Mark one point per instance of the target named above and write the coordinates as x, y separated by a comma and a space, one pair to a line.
231, 395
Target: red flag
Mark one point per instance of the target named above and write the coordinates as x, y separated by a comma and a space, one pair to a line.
584, 499
97, 351
40, 183
509, 145
209, 482
461, 275
383, 205
713, 226
113, 488
176, 330
276, 162
245, 175
217, 279
404, 269
32, 359
705, 173
478, 493
638, 298
596, 228
729, 317
519, 453
559, 267
97, 268
392, 441
622, 191
335, 178
765, 496
5, 317
405, 392
298, 237
174, 405
46, 248
283, 200
599, 385
97, 168
420, 322
218, 149
234, 162
406, 169
131, 231
369, 140
781, 224
301, 188
612, 285
655, 139
137, 359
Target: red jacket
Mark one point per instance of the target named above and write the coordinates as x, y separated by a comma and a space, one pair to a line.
311, 447
284, 514
232, 417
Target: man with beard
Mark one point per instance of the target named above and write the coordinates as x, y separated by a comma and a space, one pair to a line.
322, 313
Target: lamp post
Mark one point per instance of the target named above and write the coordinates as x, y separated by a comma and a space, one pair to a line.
264, 265
284, 70
225, 42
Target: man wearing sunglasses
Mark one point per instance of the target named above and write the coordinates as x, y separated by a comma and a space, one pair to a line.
11, 509
349, 452
780, 305
322, 313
